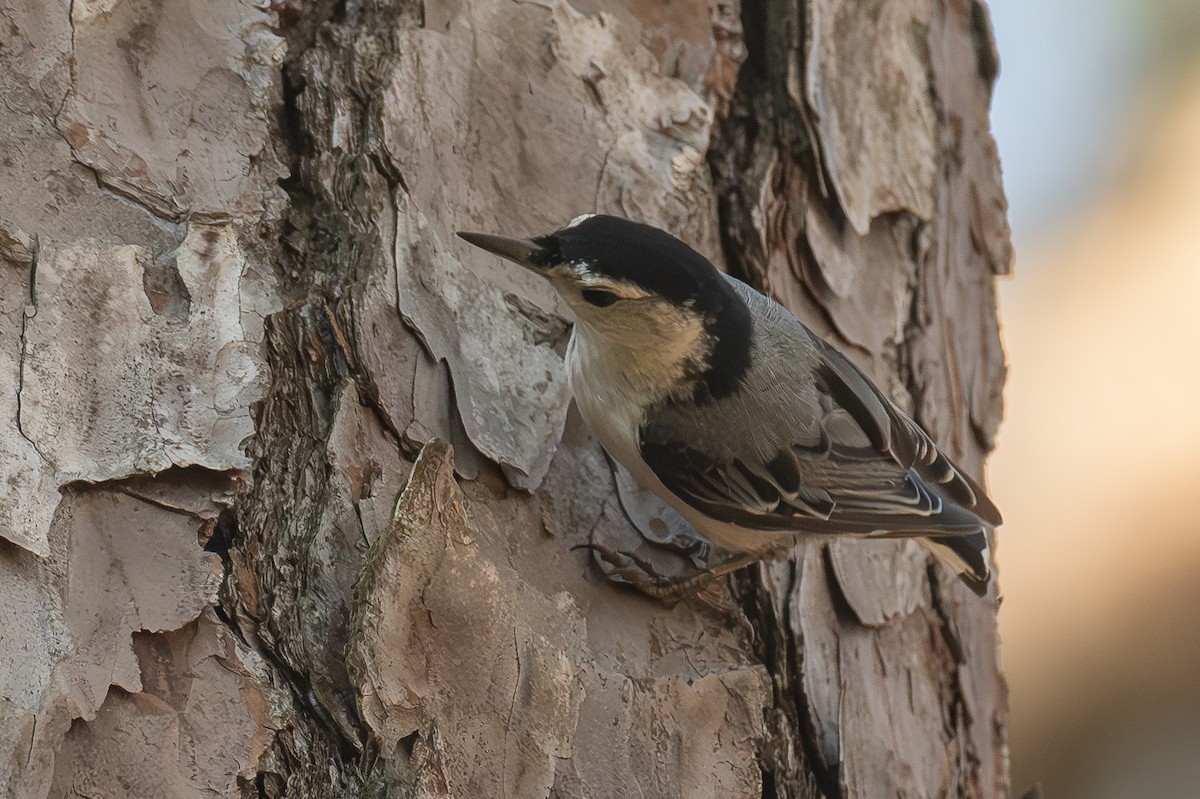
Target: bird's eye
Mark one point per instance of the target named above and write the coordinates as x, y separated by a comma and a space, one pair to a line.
599, 297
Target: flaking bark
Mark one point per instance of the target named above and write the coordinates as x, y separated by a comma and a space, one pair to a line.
296, 503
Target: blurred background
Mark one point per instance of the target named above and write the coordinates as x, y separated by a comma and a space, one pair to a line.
1097, 115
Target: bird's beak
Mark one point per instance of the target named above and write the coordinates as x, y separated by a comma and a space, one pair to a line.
525, 252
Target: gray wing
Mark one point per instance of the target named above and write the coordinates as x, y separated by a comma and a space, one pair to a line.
855, 464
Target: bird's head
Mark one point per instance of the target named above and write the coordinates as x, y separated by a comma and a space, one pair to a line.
633, 287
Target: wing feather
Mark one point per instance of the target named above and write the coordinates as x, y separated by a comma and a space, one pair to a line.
873, 470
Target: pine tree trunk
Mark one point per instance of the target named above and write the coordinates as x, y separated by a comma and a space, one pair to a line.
295, 503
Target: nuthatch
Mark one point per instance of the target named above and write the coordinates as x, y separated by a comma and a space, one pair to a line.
727, 407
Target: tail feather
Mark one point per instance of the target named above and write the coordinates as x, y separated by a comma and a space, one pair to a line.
969, 555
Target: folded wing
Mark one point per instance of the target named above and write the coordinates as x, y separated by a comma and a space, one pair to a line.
871, 470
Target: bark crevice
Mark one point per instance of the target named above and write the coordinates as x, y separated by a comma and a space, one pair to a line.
329, 246
27, 313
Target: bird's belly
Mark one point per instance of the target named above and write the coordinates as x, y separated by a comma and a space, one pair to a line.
613, 417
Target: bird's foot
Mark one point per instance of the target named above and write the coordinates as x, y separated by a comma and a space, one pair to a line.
636, 571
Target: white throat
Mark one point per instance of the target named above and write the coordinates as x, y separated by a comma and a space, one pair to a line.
645, 356
617, 374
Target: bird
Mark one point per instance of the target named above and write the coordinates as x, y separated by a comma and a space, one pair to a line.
718, 400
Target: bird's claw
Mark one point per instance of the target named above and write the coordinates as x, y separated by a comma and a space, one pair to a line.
640, 573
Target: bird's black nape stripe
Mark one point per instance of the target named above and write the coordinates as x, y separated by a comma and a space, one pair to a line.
731, 331
661, 264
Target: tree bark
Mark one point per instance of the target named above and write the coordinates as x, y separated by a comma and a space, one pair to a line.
295, 500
